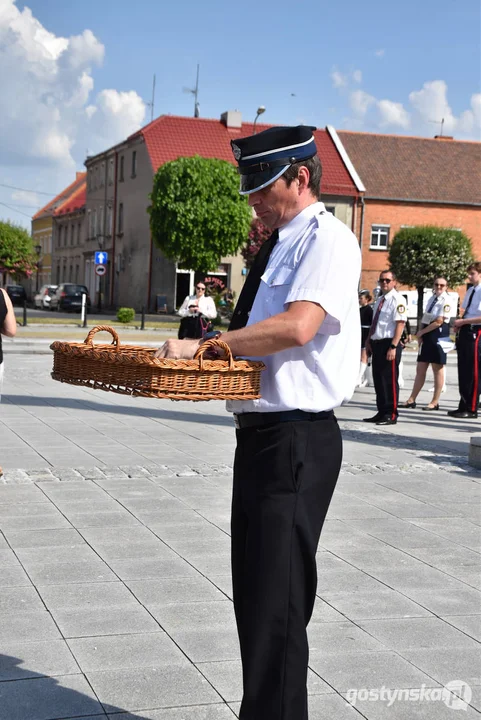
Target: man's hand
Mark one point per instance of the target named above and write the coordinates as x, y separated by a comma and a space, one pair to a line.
368, 347
391, 354
178, 349
458, 324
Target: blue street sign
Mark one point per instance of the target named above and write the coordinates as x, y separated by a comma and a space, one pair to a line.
101, 257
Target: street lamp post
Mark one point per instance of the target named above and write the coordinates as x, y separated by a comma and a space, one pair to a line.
38, 250
261, 109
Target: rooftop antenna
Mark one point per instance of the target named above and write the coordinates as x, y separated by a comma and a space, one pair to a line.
195, 93
436, 122
151, 104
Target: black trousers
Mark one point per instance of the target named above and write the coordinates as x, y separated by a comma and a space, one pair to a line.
385, 374
284, 478
468, 345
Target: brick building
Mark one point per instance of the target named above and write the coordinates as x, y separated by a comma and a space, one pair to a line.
412, 181
120, 179
69, 237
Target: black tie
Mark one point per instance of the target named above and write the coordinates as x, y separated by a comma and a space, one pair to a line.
469, 301
251, 285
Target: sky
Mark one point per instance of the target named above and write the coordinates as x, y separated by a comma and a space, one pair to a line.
77, 78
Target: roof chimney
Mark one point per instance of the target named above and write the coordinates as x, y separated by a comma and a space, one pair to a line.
231, 119
443, 137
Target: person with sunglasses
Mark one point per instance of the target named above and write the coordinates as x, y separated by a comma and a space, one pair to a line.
434, 326
384, 342
198, 303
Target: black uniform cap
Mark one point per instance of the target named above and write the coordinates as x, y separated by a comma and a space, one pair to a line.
264, 157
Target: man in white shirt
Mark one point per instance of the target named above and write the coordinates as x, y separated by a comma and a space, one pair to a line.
384, 342
468, 345
299, 312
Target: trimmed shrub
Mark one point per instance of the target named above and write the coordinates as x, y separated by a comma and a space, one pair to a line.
125, 315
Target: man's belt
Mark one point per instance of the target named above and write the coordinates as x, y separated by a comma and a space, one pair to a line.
257, 419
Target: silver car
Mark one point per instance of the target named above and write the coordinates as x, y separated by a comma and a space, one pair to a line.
43, 297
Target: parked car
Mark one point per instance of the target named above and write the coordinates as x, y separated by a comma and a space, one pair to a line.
17, 294
68, 296
43, 297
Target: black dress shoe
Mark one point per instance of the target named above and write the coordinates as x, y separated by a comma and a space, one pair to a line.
386, 421
373, 419
431, 407
463, 414
452, 413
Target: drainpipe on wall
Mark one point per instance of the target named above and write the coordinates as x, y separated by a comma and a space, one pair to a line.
361, 230
114, 222
149, 284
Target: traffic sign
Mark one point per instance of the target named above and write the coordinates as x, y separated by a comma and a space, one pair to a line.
101, 258
100, 270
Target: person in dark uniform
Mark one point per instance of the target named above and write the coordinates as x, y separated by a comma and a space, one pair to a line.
384, 342
468, 345
298, 311
434, 326
365, 311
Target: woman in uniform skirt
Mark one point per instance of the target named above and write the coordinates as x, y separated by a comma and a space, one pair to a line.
365, 311
434, 326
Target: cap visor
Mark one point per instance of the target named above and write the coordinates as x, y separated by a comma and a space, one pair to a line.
257, 181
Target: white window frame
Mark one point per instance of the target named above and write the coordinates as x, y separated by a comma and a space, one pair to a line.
379, 228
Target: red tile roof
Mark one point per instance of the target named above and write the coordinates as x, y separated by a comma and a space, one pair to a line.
169, 137
76, 201
414, 168
51, 206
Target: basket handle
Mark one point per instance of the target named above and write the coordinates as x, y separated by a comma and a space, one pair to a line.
99, 328
207, 345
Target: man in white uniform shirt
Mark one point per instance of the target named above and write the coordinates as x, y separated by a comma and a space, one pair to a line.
384, 342
468, 345
299, 312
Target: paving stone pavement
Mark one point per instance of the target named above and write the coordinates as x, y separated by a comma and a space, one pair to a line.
115, 592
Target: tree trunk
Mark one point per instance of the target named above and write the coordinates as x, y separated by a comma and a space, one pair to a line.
420, 306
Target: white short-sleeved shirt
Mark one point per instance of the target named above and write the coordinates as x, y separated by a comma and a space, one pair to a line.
443, 307
393, 310
316, 259
475, 305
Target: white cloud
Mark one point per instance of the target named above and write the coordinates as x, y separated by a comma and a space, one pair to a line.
380, 53
338, 79
431, 104
360, 102
392, 114
48, 111
357, 76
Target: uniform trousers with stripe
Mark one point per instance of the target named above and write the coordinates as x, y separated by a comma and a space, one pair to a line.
284, 477
385, 374
468, 345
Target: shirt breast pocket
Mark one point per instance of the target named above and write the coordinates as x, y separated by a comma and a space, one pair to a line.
278, 280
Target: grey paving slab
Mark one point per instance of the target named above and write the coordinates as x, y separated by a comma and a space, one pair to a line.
18, 495
150, 549
126, 651
31, 556
208, 644
368, 670
47, 698
84, 571
100, 519
7, 557
450, 664
469, 624
140, 689
43, 538
366, 605
405, 633
29, 626
454, 598
47, 657
13, 576
173, 590
102, 621
167, 565
15, 600
338, 637
195, 615
199, 712
400, 708
87, 595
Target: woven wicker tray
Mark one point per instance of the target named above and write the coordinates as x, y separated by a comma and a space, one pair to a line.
133, 370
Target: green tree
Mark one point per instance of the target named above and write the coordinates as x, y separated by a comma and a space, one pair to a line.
17, 256
419, 254
197, 215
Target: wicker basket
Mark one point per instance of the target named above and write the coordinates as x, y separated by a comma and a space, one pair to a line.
133, 370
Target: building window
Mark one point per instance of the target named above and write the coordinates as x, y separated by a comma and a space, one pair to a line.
121, 218
89, 224
76, 273
94, 223
89, 179
109, 221
101, 220
102, 174
79, 230
121, 169
59, 236
134, 163
111, 171
72, 234
379, 237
